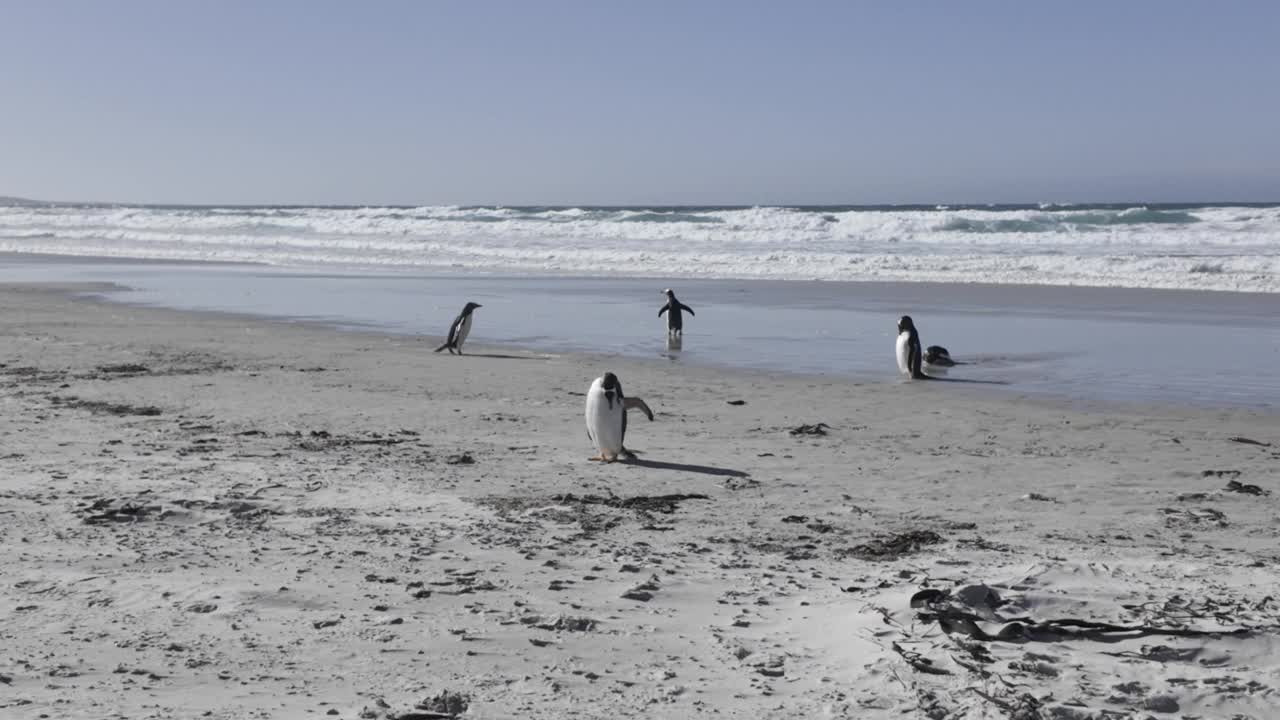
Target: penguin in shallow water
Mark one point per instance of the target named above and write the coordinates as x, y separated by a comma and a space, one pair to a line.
459, 330
908, 350
938, 355
673, 309
606, 416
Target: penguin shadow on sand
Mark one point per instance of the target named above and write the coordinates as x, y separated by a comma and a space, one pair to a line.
684, 467
913, 361
500, 356
606, 418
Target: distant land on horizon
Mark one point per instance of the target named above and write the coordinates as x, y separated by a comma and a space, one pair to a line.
11, 200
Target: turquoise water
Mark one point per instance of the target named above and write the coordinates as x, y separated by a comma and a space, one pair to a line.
1208, 349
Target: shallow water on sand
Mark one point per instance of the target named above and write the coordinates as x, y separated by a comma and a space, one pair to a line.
1147, 346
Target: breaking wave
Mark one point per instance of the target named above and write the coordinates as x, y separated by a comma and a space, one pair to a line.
1209, 247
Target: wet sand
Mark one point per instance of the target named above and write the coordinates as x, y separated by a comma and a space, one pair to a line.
1204, 349
212, 515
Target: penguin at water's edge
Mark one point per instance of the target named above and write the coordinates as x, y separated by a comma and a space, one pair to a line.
459, 330
673, 309
908, 350
938, 356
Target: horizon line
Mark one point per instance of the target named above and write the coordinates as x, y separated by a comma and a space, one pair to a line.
18, 201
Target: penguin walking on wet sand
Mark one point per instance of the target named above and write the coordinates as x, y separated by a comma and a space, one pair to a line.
459, 330
908, 350
606, 416
673, 309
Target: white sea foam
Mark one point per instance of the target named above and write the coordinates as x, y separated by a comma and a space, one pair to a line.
1218, 248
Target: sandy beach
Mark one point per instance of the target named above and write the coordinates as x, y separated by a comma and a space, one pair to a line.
218, 516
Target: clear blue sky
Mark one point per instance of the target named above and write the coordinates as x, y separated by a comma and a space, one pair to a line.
524, 102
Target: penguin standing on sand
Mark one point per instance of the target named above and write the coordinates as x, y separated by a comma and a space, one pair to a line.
673, 308
606, 416
908, 348
459, 330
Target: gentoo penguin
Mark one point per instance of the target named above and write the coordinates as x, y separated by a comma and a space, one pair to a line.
606, 417
938, 355
909, 350
673, 308
459, 330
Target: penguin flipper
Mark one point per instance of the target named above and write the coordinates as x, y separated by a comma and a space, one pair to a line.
689, 309
441, 347
663, 310
638, 404
913, 357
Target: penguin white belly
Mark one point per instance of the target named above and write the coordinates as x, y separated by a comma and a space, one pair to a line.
903, 340
464, 329
604, 420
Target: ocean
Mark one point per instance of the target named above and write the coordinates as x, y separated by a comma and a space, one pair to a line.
1102, 303
1232, 247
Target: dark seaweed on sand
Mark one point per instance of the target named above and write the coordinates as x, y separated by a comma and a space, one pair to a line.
818, 429
895, 546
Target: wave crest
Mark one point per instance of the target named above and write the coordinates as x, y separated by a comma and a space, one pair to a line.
1231, 248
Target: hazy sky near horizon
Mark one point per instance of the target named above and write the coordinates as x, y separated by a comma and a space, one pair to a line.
301, 101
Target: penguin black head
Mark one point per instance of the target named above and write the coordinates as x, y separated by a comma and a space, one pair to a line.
905, 324
612, 388
469, 307
669, 293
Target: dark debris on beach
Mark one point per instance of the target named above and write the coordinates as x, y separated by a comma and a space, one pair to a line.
124, 369
894, 546
665, 504
1236, 486
108, 510
817, 429
103, 407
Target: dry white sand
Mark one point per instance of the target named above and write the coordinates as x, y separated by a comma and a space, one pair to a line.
226, 517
